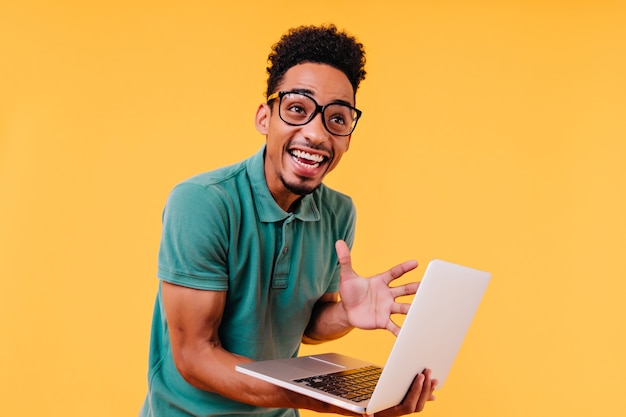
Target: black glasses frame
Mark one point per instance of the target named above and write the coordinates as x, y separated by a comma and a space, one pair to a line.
318, 109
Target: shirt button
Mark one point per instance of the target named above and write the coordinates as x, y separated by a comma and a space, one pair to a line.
285, 250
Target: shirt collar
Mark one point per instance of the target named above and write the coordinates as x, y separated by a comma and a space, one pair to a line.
267, 209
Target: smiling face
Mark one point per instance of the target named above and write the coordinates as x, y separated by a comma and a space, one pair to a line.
297, 158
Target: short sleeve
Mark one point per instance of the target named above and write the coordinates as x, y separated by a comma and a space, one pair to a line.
194, 240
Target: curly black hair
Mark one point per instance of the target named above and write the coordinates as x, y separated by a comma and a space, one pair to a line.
320, 45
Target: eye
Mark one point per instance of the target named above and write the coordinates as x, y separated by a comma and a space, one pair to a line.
338, 119
339, 115
297, 108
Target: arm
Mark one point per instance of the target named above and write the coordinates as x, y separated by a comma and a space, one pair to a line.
366, 303
328, 321
193, 318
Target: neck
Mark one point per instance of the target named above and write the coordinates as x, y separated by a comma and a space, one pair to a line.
287, 201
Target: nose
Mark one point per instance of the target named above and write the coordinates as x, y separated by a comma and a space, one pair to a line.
315, 131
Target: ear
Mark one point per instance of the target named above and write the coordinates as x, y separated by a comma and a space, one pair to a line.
262, 118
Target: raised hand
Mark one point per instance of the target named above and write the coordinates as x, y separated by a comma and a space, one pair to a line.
370, 302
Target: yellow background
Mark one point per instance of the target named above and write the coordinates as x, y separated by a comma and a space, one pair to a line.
494, 134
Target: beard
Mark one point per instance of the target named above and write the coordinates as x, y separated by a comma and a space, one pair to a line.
301, 188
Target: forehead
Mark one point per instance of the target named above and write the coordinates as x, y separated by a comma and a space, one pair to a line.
322, 81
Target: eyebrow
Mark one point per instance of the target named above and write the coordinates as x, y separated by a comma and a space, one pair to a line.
312, 93
302, 91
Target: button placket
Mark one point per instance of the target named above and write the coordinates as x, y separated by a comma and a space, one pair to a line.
282, 266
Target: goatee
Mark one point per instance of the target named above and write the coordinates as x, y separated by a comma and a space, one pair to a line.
300, 188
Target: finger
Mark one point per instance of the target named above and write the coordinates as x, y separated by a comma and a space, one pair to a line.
415, 391
407, 289
400, 308
393, 328
433, 387
426, 391
343, 255
399, 270
410, 401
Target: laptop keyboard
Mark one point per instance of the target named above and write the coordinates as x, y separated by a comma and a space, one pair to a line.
355, 385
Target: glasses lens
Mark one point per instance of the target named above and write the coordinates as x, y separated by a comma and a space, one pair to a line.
339, 119
297, 109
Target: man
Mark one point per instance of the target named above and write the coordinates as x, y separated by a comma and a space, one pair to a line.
254, 257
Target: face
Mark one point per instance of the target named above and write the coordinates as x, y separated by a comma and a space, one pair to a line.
298, 157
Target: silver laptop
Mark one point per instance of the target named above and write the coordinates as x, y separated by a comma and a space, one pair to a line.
431, 335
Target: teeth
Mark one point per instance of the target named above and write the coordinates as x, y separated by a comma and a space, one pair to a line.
307, 160
307, 156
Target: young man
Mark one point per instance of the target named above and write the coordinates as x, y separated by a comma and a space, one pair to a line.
255, 256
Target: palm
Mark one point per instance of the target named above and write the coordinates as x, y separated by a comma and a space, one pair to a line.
370, 302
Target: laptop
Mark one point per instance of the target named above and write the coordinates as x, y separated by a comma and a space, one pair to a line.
431, 336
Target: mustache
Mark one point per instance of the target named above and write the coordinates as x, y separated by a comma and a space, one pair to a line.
304, 143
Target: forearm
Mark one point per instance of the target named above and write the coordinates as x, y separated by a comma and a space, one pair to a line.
329, 321
194, 318
213, 369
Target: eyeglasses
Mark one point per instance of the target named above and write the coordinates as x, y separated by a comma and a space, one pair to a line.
298, 109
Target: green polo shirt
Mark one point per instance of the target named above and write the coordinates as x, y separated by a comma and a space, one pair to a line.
223, 231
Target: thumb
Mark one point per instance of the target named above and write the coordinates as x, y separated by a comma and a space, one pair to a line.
343, 255
346, 272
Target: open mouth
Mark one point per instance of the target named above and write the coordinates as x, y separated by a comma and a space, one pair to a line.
307, 160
